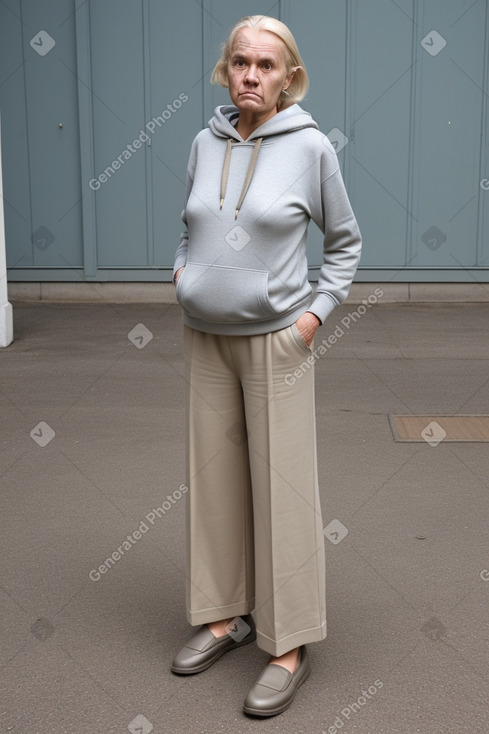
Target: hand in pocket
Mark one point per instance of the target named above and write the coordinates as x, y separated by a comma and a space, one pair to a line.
307, 325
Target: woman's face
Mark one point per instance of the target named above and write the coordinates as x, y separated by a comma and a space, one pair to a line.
257, 72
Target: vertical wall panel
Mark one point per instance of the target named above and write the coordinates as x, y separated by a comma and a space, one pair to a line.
175, 96
483, 229
53, 237
14, 138
51, 93
380, 125
116, 35
323, 47
448, 126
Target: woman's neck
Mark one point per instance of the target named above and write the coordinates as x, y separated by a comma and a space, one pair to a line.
248, 123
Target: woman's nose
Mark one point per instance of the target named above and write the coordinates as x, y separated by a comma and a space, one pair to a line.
252, 75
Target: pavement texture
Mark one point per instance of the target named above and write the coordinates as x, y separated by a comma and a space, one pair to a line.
92, 443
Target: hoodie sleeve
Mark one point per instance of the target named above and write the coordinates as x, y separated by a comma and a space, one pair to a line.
181, 253
342, 240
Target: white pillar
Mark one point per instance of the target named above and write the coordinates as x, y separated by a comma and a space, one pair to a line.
6, 317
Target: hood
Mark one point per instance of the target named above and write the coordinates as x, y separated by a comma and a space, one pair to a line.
223, 126
291, 118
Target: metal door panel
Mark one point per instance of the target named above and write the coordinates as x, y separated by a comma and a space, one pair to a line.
50, 235
447, 152
380, 43
15, 159
322, 44
175, 102
116, 39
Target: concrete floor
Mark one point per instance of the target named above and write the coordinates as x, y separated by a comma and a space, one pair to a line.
92, 442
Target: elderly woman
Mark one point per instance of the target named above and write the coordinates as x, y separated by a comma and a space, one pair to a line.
256, 177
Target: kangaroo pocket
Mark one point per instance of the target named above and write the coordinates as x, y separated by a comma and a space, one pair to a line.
223, 294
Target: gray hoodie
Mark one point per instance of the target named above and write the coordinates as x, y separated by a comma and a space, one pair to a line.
247, 209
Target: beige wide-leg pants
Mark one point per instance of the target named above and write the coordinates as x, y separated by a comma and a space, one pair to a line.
254, 527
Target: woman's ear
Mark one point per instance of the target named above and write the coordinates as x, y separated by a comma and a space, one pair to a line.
288, 80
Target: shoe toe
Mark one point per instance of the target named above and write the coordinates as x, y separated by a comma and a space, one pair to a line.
269, 688
275, 688
196, 652
185, 659
203, 649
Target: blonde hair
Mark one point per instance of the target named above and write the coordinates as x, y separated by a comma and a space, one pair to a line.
297, 89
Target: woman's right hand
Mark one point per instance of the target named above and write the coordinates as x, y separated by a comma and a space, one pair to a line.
178, 273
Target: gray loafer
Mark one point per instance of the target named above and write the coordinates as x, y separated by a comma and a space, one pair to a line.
203, 649
275, 689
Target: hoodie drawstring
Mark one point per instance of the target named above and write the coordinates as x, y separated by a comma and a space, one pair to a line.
249, 173
225, 171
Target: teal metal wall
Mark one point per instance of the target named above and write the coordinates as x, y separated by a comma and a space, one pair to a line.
100, 100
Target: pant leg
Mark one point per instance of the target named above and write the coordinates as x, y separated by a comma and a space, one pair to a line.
289, 542
219, 533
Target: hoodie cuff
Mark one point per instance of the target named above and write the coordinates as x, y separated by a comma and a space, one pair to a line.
179, 263
322, 306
